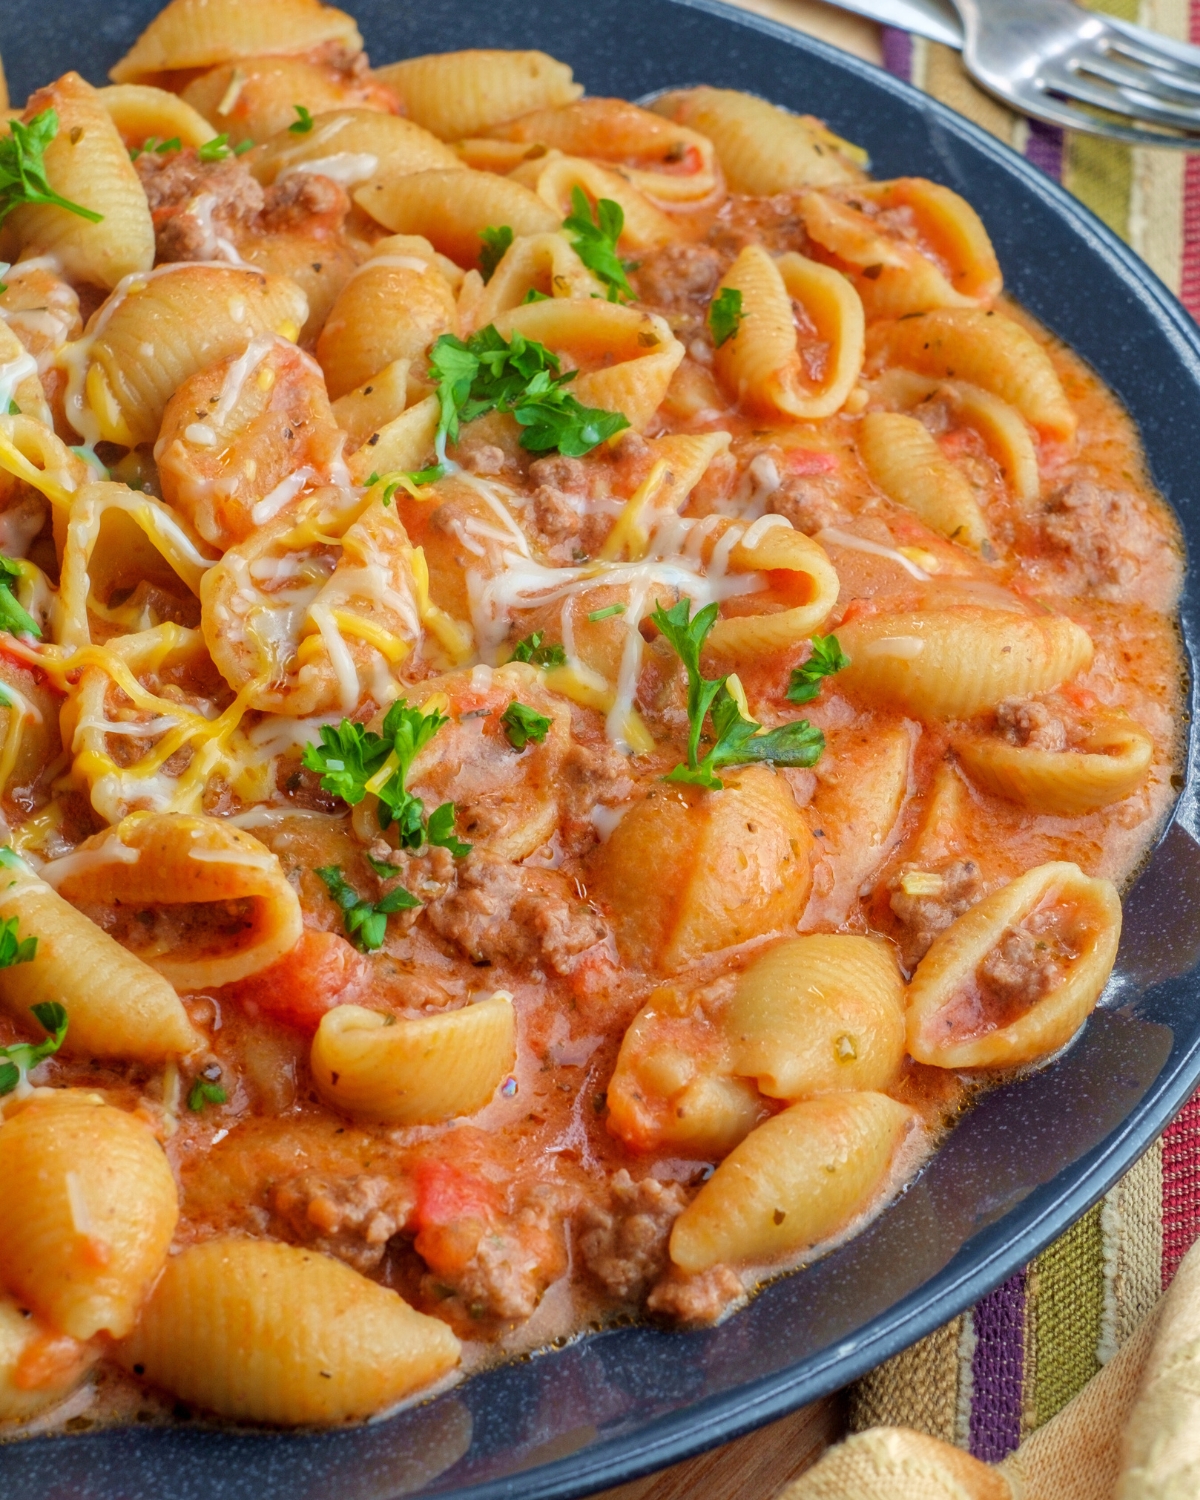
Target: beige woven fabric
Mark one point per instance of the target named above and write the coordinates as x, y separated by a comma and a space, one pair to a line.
1133, 1433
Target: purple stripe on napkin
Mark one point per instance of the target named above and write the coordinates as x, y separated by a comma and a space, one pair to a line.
1044, 148
998, 1371
897, 52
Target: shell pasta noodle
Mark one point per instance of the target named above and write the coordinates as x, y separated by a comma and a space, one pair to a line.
576, 682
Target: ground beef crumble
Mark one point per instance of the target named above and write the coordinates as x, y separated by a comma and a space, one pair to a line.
924, 916
696, 1299
1030, 723
351, 1218
624, 1245
1105, 532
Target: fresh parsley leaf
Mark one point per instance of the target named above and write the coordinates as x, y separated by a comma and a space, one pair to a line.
174, 144
491, 373
606, 613
826, 659
347, 757
23, 169
21, 1057
205, 1091
13, 617
736, 741
365, 921
533, 295
407, 731
725, 315
304, 121
410, 481
595, 240
495, 245
530, 649
219, 148
522, 724
13, 409
439, 830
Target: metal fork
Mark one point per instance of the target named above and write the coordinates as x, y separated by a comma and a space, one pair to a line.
1066, 65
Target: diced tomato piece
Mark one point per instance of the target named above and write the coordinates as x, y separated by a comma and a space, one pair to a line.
445, 1193
809, 461
302, 985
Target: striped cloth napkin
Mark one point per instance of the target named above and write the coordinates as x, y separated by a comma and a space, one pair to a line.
990, 1378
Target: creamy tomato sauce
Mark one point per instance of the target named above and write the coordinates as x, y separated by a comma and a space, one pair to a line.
543, 1214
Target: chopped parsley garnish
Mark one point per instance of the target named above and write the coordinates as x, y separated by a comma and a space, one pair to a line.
205, 1091
412, 480
13, 409
13, 617
353, 760
23, 169
725, 315
159, 148
495, 246
606, 613
19, 1058
491, 373
219, 148
826, 659
533, 295
530, 649
735, 741
522, 724
365, 921
595, 240
303, 123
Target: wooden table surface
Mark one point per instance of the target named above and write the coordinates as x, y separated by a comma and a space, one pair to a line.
756, 1467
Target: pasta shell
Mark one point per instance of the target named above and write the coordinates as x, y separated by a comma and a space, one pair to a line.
1110, 763
237, 912
680, 462
257, 98
35, 454
190, 34
1003, 430
354, 145
140, 111
451, 208
909, 467
554, 179
38, 1367
802, 589
20, 383
988, 350
300, 651
763, 149
268, 432
625, 357
87, 163
862, 783
458, 94
952, 263
542, 263
761, 362
405, 443
265, 1332
817, 1014
159, 329
671, 164
117, 1005
796, 1181
955, 663
733, 883
88, 1211
393, 307
1014, 978
418, 1072
372, 405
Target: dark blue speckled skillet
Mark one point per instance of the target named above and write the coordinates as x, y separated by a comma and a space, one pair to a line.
1034, 1155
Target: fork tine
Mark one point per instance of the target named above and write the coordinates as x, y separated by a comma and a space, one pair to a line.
1121, 101
1069, 116
1144, 80
1163, 49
